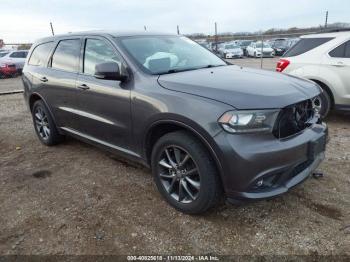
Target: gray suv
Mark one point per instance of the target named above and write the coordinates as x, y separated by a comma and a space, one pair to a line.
207, 129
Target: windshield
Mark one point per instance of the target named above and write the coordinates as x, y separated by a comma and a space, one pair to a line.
2, 54
258, 45
169, 54
245, 43
233, 46
282, 43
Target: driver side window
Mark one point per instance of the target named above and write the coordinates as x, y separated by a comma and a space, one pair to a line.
96, 52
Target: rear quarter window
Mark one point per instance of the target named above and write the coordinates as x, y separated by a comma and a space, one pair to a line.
342, 51
40, 54
305, 45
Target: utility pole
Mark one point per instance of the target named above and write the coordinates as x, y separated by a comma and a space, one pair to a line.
144, 27
262, 50
216, 37
53, 33
178, 29
325, 24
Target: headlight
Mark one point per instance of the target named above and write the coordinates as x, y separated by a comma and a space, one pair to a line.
248, 121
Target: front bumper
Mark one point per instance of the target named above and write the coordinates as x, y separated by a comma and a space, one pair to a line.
262, 166
265, 55
230, 55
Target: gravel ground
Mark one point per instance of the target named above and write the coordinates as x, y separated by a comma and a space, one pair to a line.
77, 199
10, 84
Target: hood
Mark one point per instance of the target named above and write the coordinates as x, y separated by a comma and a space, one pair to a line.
242, 88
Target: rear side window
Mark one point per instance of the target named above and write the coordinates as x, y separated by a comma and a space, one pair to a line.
23, 54
66, 56
40, 54
347, 50
15, 55
305, 45
341, 51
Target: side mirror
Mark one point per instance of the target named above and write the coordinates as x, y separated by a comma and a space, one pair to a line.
109, 71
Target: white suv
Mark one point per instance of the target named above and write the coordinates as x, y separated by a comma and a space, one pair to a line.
325, 59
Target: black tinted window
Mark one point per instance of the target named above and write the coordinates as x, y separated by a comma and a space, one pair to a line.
15, 55
347, 50
66, 56
23, 54
304, 45
96, 52
40, 54
341, 51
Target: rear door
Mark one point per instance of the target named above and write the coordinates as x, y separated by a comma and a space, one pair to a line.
60, 78
338, 61
104, 105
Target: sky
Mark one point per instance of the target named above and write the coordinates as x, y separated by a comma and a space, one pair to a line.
26, 20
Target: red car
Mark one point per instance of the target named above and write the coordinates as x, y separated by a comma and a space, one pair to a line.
8, 69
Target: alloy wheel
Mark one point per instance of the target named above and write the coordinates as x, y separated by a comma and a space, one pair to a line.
42, 123
317, 104
179, 174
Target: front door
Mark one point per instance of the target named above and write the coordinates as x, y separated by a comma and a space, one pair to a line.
104, 105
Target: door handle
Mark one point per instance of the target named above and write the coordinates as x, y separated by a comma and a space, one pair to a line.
83, 87
43, 79
339, 64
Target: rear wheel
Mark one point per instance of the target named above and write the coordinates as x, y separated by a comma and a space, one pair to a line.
44, 125
185, 173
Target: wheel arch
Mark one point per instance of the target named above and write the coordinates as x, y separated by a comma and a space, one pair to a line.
162, 127
326, 88
35, 97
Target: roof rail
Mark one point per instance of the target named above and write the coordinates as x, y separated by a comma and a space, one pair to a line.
334, 30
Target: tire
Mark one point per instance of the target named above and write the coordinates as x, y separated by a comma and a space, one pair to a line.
324, 103
44, 125
204, 185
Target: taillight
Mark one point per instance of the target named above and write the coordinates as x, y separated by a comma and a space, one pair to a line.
282, 64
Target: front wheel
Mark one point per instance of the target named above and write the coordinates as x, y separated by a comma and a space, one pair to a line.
185, 173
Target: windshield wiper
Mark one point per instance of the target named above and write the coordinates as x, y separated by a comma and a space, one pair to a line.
174, 70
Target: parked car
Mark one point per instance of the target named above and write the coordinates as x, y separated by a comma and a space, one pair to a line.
292, 41
258, 49
231, 50
324, 59
204, 127
280, 46
244, 44
7, 70
16, 58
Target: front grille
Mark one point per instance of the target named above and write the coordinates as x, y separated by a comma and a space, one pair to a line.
293, 119
11, 66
